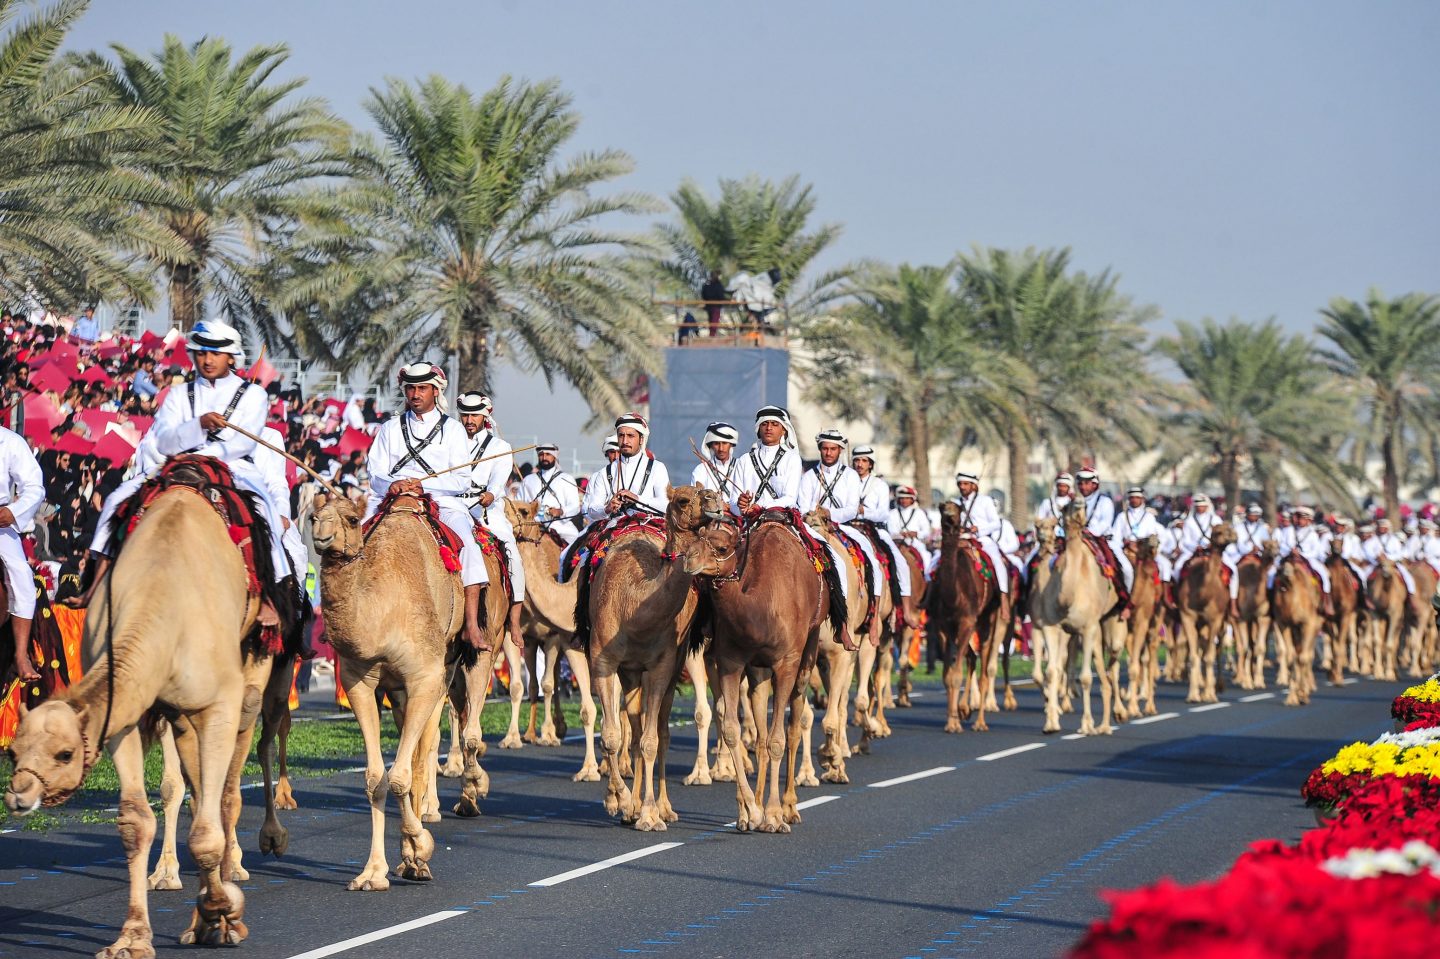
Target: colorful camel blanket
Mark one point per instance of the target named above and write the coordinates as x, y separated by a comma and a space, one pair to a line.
1299, 563
211, 480
1199, 556
815, 550
590, 551
448, 544
492, 545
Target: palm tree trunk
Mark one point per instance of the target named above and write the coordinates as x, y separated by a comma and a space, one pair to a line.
1269, 495
1230, 478
1019, 449
474, 356
919, 423
1388, 445
184, 296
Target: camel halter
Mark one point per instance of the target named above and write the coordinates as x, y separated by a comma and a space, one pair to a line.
86, 764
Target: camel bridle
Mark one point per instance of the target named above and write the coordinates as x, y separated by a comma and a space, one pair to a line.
48, 798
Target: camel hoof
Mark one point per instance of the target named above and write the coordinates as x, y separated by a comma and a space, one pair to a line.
904, 702
274, 843
980, 726
512, 741
835, 774
774, 826
587, 774
374, 884
127, 947
430, 815
1051, 730
466, 808
415, 870
453, 769
792, 816
806, 778
165, 878
548, 740
650, 822
697, 778
239, 874
954, 726
531, 737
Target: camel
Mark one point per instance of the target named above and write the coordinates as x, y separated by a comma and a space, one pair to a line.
1388, 601
1252, 627
1069, 595
642, 607
1419, 621
1143, 640
180, 652
1295, 608
1342, 626
768, 614
840, 662
394, 640
548, 621
1202, 598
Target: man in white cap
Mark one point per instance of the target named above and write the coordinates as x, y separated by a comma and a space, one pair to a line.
1356, 552
1388, 544
836, 487
1425, 545
610, 448
1303, 539
980, 516
1195, 533
1135, 523
487, 485
195, 420
715, 472
273, 466
875, 511
909, 524
1100, 520
768, 476
408, 451
1251, 531
555, 490
634, 482
1053, 506
24, 486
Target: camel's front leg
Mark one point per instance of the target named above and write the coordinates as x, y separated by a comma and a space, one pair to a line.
172, 796
1189, 626
662, 799
580, 666
418, 735
1212, 651
1051, 639
654, 684
783, 679
207, 743
136, 823
695, 666
805, 773
516, 661
954, 680
454, 760
790, 802
837, 694
476, 782
549, 682
230, 802
360, 688
532, 688
612, 715
1089, 642
864, 671
749, 816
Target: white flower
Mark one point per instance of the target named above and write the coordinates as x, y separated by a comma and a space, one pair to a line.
1408, 860
1415, 737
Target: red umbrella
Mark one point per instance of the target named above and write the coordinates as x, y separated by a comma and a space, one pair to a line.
96, 375
151, 341
62, 353
115, 448
75, 443
352, 440
97, 420
50, 377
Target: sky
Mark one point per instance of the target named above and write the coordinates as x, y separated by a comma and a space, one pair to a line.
1223, 158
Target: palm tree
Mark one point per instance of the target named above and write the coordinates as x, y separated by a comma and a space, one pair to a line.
906, 347
237, 149
73, 203
467, 231
1250, 400
1390, 350
1083, 343
755, 225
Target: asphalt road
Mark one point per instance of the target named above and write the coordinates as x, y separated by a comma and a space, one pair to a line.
983, 844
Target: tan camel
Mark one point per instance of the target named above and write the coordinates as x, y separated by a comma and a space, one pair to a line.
549, 622
393, 640
1070, 596
841, 663
142, 650
1252, 627
1342, 626
1203, 600
1295, 608
1388, 603
1143, 637
1419, 620
642, 608
768, 615
919, 586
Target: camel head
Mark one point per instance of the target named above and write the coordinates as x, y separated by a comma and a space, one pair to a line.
715, 552
818, 519
950, 519
335, 527
1268, 551
1045, 534
1145, 549
1223, 536
689, 509
1075, 517
523, 518
49, 757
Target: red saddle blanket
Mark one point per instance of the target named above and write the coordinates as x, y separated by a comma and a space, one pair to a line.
1109, 566
590, 549
492, 545
791, 519
212, 481
446, 541
1201, 554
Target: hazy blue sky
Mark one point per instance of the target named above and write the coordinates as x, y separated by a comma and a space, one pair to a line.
1245, 159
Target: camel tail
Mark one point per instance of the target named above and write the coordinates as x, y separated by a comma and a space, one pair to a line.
582, 606
839, 612
704, 614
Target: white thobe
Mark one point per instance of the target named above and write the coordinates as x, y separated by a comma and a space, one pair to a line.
554, 488
23, 486
492, 476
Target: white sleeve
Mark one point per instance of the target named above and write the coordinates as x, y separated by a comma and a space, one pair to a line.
380, 461
848, 487
596, 496
567, 491
26, 476
173, 429
809, 492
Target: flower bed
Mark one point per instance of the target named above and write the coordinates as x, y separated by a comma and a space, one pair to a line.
1414, 753
1418, 704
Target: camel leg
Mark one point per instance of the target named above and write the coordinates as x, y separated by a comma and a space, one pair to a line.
695, 666
475, 783
759, 709
580, 666
1052, 640
837, 738
722, 770
747, 727
805, 772
207, 748
454, 761
884, 691
770, 743
274, 717
532, 688
617, 794
136, 823
172, 795
515, 660
791, 801
954, 678
548, 679
662, 798
1190, 628
360, 688
1112, 639
1088, 643
864, 670
423, 696
230, 801
749, 815
653, 686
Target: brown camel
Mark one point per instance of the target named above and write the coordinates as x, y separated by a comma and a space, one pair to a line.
1295, 608
1070, 596
642, 607
1419, 620
189, 663
393, 640
1202, 598
1252, 626
548, 621
969, 612
768, 615
1143, 639
1388, 603
1342, 626
840, 662
920, 587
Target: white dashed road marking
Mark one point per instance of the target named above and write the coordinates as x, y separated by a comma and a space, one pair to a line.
1145, 720
1208, 707
1013, 751
621, 859
378, 934
923, 774
1256, 697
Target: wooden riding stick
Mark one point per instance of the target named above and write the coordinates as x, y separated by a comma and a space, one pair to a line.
483, 459
725, 483
269, 446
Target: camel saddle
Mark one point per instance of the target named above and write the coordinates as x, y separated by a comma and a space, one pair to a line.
887, 563
815, 550
1300, 563
212, 480
1201, 554
1105, 559
492, 545
866, 572
446, 541
590, 551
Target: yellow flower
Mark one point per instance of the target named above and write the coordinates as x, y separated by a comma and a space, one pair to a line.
1386, 759
1426, 692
